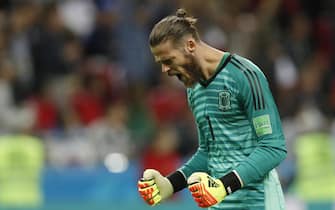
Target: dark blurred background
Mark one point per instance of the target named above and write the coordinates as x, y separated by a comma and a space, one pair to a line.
84, 109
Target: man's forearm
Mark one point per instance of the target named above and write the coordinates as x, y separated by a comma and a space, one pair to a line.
198, 162
260, 162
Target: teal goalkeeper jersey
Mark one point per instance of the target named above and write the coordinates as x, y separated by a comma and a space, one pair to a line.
239, 129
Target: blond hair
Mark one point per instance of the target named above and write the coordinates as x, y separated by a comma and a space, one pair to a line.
174, 28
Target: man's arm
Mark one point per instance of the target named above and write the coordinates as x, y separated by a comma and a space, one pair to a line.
262, 113
198, 162
154, 188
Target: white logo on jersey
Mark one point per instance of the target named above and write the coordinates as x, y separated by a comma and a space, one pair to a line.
224, 100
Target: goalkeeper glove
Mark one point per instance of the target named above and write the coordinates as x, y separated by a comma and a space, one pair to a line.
154, 187
206, 190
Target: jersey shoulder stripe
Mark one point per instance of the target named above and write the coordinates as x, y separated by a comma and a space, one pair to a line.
254, 82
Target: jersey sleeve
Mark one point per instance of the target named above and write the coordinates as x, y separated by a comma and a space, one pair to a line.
199, 160
261, 110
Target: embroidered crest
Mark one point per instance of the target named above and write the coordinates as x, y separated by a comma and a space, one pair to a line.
224, 100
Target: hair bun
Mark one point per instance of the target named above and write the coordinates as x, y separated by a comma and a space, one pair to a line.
181, 13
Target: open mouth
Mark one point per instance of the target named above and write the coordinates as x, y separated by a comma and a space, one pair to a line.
178, 75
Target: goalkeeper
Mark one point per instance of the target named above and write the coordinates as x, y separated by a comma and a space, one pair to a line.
240, 135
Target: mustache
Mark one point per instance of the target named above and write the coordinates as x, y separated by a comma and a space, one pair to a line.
173, 73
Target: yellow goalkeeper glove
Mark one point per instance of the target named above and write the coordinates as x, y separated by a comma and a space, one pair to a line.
206, 190
154, 187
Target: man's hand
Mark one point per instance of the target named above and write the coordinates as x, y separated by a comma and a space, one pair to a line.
154, 187
206, 190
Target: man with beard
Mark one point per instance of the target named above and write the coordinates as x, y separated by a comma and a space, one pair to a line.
240, 134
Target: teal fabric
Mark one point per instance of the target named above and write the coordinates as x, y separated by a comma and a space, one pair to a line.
239, 129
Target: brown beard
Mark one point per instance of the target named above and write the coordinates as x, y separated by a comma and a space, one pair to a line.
193, 68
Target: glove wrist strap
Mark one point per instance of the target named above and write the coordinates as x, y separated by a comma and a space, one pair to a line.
231, 182
177, 180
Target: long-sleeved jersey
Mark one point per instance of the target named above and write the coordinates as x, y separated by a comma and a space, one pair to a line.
239, 129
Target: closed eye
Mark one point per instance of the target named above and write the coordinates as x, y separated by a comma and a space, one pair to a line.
166, 62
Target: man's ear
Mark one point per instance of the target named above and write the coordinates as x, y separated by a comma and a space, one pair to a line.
190, 45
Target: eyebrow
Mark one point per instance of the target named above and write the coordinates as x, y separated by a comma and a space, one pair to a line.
164, 60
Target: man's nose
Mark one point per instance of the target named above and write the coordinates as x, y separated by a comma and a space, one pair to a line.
165, 68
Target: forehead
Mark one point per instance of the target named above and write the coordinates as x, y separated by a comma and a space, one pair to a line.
163, 50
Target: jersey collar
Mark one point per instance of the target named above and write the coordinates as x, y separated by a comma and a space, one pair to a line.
224, 61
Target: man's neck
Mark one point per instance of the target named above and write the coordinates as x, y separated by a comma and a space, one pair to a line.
209, 58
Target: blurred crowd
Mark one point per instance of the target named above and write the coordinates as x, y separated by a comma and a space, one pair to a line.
79, 75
